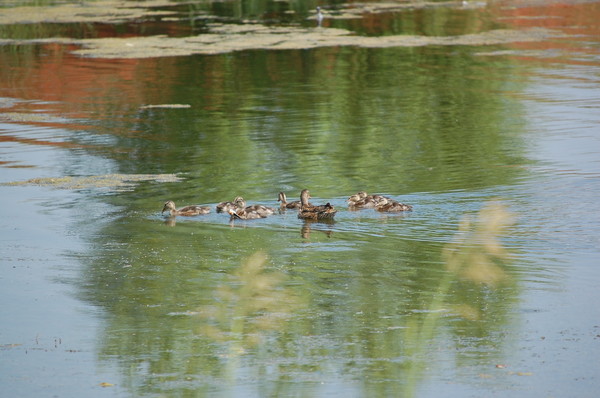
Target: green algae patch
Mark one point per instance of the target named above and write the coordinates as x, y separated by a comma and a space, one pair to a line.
223, 39
88, 12
226, 38
166, 106
116, 182
20, 117
360, 10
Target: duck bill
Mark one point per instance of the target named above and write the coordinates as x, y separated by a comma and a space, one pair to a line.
233, 214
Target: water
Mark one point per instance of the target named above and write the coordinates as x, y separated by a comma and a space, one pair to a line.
484, 289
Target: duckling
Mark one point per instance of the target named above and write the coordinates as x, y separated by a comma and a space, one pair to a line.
263, 211
244, 214
362, 200
380, 199
241, 211
355, 198
287, 205
390, 205
224, 207
193, 210
310, 212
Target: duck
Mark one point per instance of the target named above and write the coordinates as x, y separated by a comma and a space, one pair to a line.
310, 212
248, 213
243, 212
260, 209
263, 211
390, 205
287, 205
355, 198
188, 211
362, 200
224, 207
378, 202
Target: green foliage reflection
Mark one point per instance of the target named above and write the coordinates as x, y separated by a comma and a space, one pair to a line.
253, 303
475, 256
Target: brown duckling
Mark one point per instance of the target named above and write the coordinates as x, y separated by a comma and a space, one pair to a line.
287, 205
361, 200
193, 210
245, 214
263, 211
242, 214
224, 207
390, 205
249, 212
356, 197
310, 212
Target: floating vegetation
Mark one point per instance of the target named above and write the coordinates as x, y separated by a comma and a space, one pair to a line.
166, 106
358, 10
21, 117
226, 38
88, 12
111, 11
118, 182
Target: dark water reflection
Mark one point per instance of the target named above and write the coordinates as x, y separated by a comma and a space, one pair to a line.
423, 303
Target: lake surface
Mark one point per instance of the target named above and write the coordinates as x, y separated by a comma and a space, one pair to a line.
487, 288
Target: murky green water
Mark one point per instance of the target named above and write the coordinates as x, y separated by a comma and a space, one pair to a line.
486, 288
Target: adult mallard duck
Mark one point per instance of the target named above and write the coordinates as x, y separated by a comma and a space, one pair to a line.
287, 205
224, 207
193, 210
310, 212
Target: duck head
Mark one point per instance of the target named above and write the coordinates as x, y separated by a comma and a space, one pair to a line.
240, 202
304, 196
282, 198
169, 205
